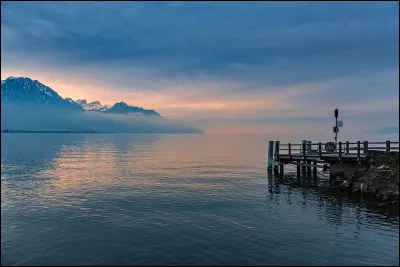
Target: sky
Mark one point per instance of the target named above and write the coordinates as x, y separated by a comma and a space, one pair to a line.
225, 67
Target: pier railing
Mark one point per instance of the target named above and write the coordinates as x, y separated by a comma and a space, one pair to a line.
310, 155
356, 149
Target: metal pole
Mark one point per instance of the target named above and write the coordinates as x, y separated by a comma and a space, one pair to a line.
336, 128
336, 134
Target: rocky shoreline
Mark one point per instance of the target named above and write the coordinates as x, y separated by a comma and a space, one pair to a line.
380, 179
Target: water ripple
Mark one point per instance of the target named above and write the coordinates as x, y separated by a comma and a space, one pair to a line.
123, 199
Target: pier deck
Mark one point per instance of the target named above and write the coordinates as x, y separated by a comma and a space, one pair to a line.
315, 155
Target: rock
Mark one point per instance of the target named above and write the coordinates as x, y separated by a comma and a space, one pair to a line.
384, 204
363, 188
344, 185
371, 190
383, 167
356, 188
337, 182
387, 194
388, 203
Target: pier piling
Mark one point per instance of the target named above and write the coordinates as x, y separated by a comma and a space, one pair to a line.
308, 168
270, 154
315, 170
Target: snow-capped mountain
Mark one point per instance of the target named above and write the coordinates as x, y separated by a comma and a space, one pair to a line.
123, 108
25, 91
93, 106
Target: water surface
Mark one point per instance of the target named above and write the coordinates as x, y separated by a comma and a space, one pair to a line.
137, 199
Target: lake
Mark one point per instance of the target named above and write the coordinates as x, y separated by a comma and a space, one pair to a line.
161, 199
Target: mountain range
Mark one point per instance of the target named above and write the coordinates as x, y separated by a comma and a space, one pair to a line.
30, 106
25, 91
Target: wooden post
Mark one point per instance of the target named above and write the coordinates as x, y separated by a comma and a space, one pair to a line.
290, 151
308, 168
365, 147
340, 150
320, 150
358, 151
315, 169
298, 168
277, 150
303, 169
281, 170
347, 147
388, 146
270, 153
309, 146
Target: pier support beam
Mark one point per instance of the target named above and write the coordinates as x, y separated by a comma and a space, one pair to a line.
270, 154
298, 169
281, 170
303, 169
315, 170
309, 168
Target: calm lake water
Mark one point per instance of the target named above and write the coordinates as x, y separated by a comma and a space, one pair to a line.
136, 199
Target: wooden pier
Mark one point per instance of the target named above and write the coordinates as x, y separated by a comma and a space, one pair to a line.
310, 156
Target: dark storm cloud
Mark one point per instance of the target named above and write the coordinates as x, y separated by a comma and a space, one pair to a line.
266, 42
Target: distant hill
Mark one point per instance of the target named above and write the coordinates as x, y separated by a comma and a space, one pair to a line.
30, 106
123, 108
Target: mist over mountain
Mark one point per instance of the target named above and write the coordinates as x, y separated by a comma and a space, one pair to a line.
27, 104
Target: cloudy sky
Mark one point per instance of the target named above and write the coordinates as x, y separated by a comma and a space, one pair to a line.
236, 67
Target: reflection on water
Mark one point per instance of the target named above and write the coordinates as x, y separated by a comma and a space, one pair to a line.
130, 199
